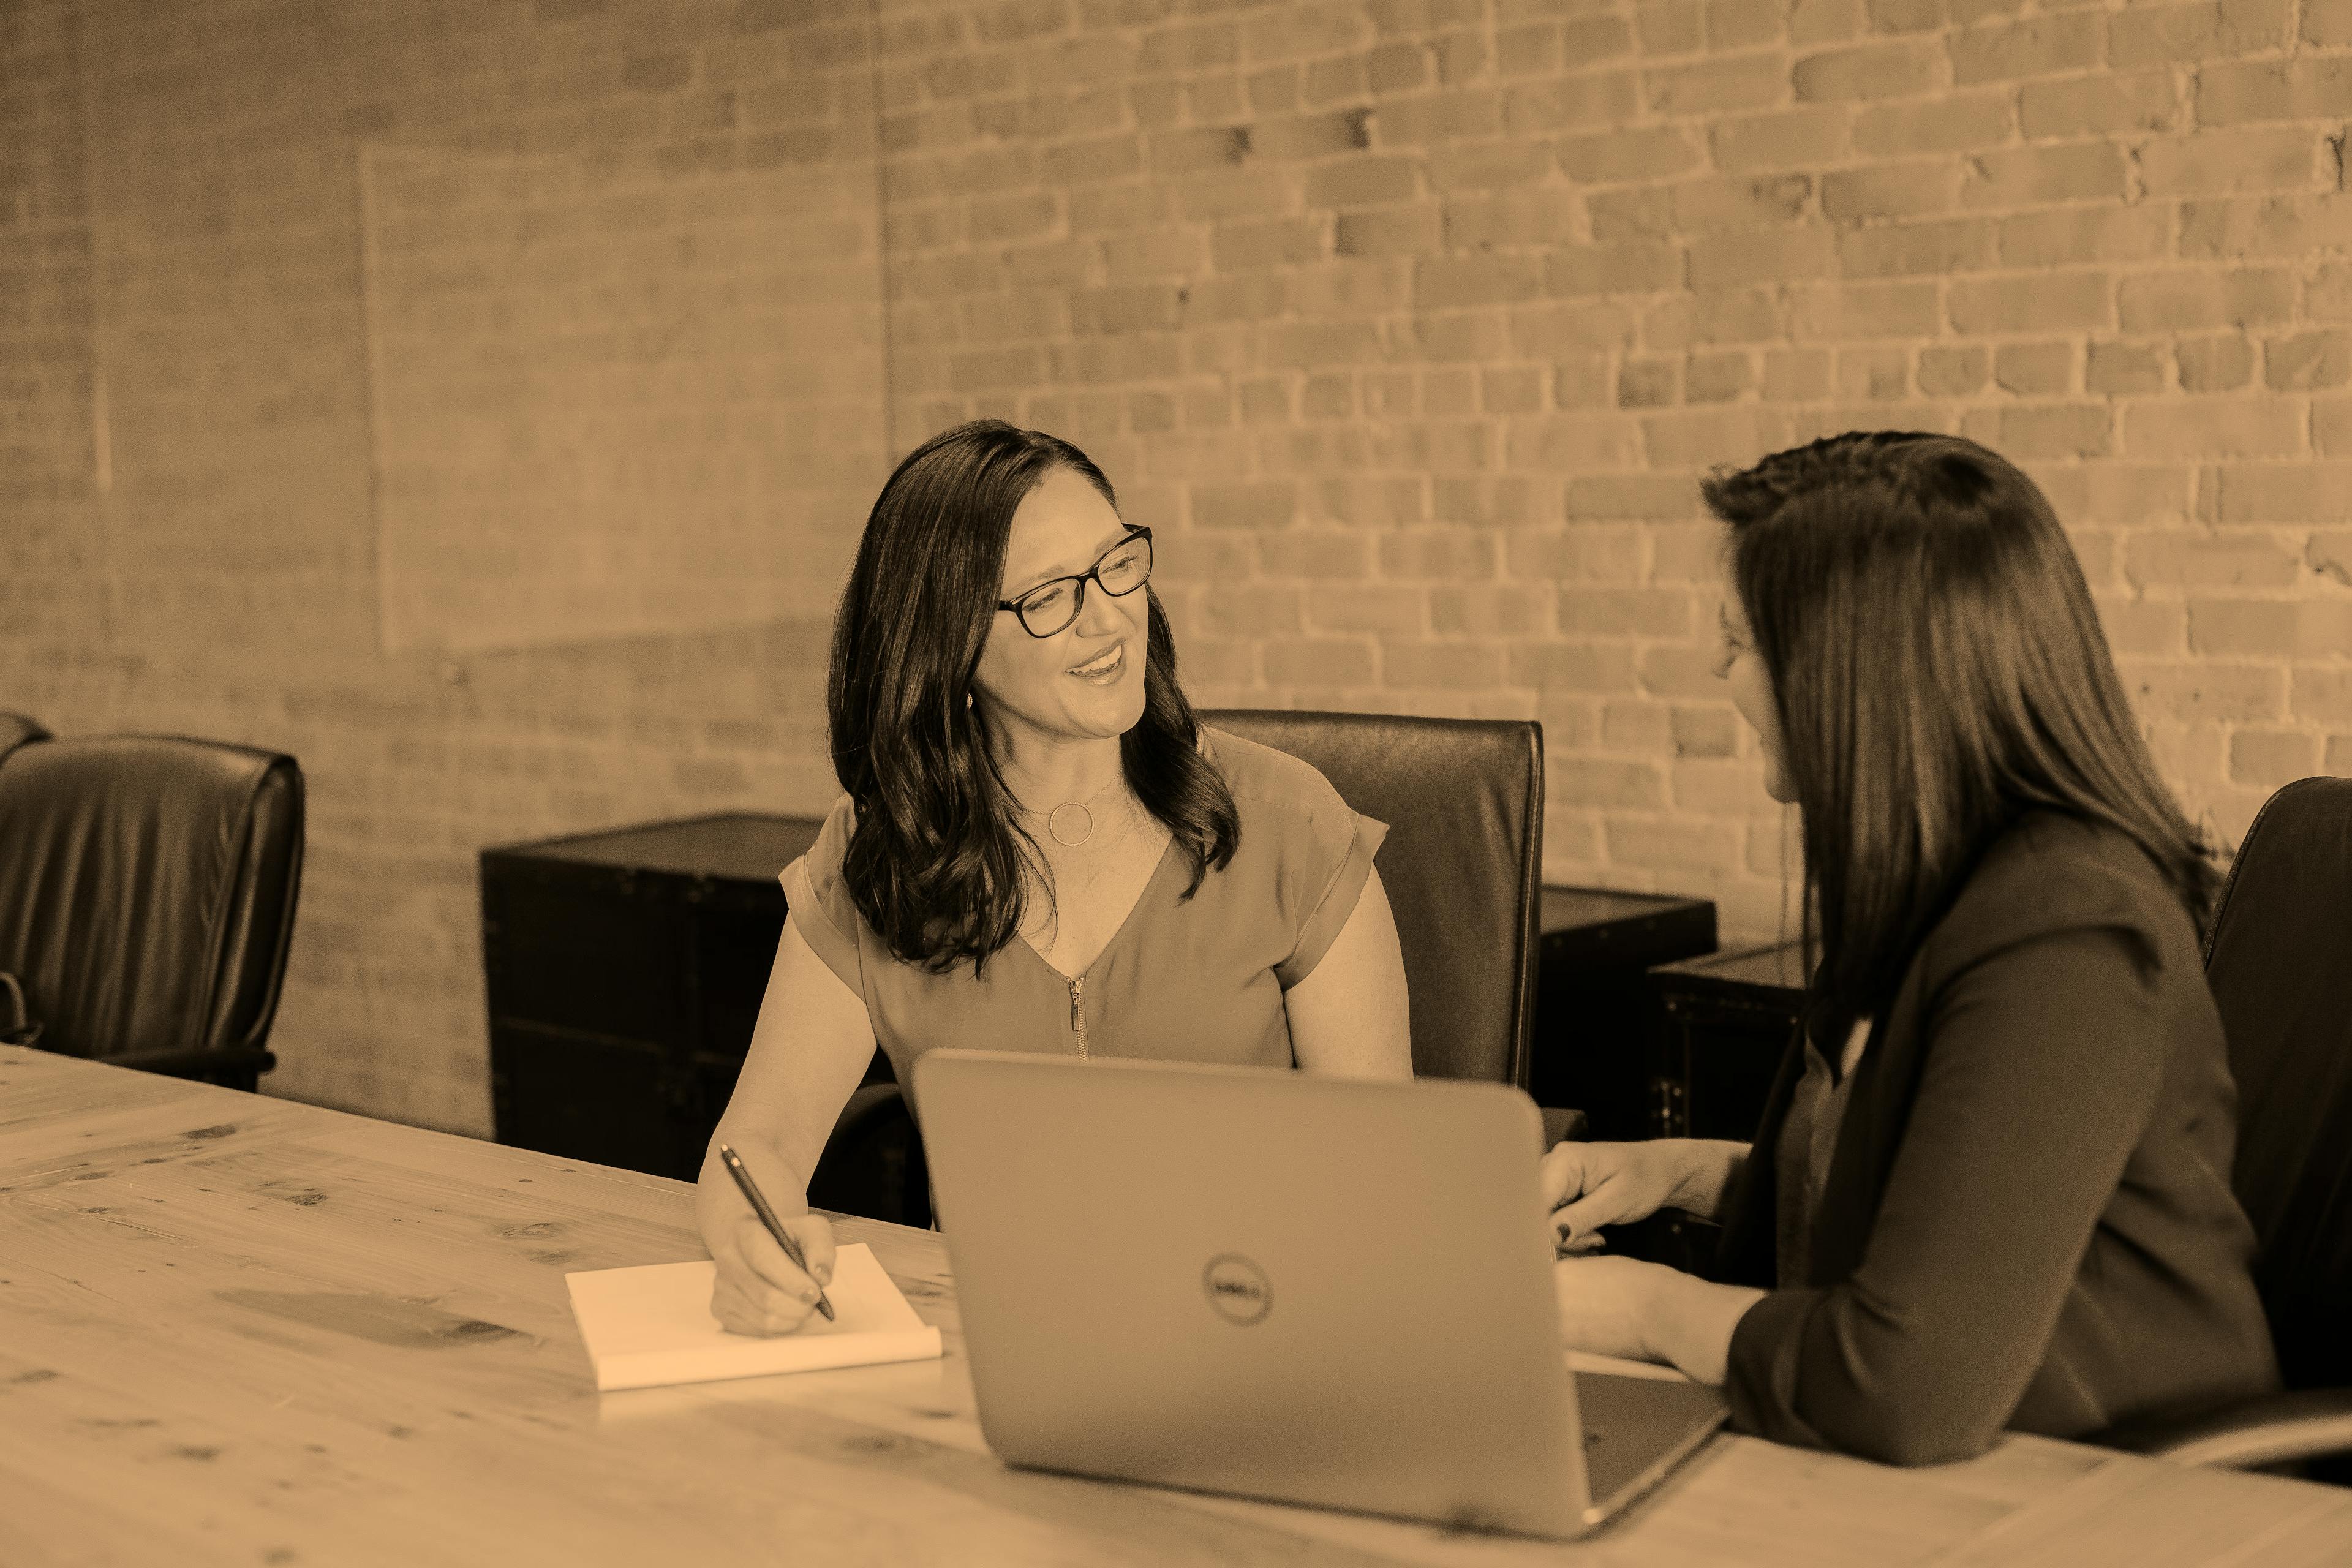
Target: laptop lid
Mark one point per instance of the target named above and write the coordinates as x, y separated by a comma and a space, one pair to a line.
1255, 1282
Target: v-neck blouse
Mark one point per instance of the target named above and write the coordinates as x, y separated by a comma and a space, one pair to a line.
1200, 979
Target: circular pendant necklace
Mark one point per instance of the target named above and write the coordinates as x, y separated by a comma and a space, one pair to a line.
1071, 824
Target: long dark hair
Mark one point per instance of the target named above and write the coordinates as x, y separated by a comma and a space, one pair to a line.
1940, 670
936, 859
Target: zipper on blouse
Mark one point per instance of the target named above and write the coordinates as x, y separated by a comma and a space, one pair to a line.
1078, 1011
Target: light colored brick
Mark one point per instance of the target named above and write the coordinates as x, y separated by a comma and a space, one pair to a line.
2126, 369
2323, 695
2205, 690
2266, 226
2165, 35
1604, 782
1792, 139
2035, 369
2055, 302
2105, 104
1710, 87
1891, 190
2065, 236
1671, 846
2215, 428
1945, 372
1600, 98
2177, 558
1627, 155
2056, 431
2305, 361
2268, 758
2285, 493
1757, 255
2039, 45
2284, 158
1365, 180
2222, 363
2190, 300
1319, 661
2240, 628
1958, 122
1871, 70
2327, 22
1931, 246
2032, 177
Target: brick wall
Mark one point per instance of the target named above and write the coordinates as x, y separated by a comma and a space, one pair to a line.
1409, 322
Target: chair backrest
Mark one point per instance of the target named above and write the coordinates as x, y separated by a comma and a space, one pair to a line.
2279, 958
1462, 865
147, 890
17, 729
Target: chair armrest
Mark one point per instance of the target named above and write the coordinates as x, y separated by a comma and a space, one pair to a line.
203, 1064
1563, 1126
2305, 1424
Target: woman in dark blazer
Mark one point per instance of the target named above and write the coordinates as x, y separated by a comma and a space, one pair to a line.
1990, 1188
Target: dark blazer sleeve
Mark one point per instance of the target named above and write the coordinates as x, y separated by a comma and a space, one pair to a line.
2045, 1043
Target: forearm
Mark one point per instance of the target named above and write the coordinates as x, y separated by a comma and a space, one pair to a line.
718, 1201
1709, 1163
1689, 1323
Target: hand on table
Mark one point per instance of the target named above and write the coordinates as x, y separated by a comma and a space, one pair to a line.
758, 1290
1589, 1185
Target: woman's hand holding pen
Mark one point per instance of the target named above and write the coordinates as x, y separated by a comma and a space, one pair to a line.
759, 1290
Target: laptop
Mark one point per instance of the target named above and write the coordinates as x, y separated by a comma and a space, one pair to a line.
1263, 1283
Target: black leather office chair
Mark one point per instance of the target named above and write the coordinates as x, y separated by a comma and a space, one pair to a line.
2279, 958
17, 729
147, 894
1462, 865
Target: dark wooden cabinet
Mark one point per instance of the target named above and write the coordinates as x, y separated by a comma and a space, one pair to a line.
624, 972
1724, 1022
1594, 1009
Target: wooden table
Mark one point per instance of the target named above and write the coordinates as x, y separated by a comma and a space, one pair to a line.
239, 1330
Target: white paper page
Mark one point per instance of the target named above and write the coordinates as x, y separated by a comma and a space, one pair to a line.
653, 1325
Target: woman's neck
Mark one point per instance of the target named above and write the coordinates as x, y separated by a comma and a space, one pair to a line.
1044, 772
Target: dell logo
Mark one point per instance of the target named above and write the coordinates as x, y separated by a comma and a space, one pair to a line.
1238, 1289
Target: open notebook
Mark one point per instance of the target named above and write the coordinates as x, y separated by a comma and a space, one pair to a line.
653, 1325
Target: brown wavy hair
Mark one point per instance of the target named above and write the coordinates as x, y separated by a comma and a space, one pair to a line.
936, 858
1940, 670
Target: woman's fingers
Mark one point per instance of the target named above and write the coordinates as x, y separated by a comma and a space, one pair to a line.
1609, 1203
813, 1234
1565, 1171
760, 1308
751, 1259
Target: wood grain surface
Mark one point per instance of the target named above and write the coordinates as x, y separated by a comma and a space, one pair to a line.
237, 1330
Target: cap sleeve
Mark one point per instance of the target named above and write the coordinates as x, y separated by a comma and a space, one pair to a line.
1326, 869
819, 901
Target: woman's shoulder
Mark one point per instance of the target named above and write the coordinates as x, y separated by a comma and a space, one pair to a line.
2050, 874
1267, 783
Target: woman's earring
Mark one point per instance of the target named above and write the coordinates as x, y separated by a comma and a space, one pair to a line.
966, 701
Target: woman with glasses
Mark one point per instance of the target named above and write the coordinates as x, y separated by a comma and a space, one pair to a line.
1039, 849
1990, 1188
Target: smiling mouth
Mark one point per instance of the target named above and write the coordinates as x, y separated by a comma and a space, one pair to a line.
1107, 663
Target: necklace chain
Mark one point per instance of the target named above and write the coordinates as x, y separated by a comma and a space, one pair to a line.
1072, 823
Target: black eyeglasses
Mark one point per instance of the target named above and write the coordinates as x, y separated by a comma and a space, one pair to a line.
1055, 602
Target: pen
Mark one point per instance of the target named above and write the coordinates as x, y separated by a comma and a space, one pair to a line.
775, 1227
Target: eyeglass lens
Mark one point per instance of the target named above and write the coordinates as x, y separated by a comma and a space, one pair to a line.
1056, 604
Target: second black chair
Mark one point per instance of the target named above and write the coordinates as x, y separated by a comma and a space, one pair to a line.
147, 894
2279, 958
